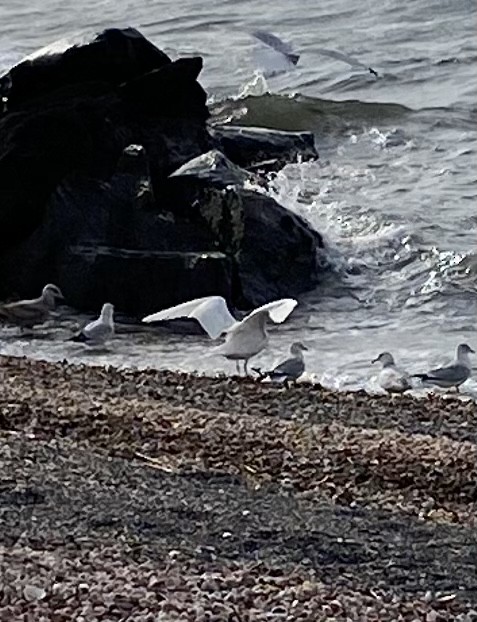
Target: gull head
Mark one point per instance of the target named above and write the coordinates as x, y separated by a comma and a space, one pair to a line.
463, 350
385, 358
296, 348
51, 293
107, 311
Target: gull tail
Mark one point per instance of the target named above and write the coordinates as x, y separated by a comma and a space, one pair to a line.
260, 373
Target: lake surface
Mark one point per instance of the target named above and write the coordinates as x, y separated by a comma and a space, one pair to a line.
394, 191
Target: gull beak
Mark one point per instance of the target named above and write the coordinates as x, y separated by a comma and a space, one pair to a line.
374, 361
304, 347
470, 350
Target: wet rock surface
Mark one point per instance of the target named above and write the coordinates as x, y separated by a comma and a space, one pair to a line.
135, 494
90, 135
260, 148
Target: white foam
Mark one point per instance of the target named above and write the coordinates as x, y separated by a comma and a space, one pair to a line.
353, 235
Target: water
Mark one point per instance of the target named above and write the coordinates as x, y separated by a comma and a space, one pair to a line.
394, 191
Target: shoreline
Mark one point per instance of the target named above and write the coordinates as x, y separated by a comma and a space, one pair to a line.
171, 493
164, 349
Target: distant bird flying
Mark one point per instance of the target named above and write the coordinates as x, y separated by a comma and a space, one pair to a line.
286, 50
29, 313
99, 331
244, 338
277, 44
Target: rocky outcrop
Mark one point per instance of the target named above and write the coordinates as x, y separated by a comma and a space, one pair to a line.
55, 126
276, 252
113, 184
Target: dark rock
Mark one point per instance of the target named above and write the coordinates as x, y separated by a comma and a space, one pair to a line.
213, 168
88, 212
277, 252
141, 282
37, 150
171, 91
271, 251
255, 146
134, 163
281, 255
120, 215
113, 182
80, 127
114, 56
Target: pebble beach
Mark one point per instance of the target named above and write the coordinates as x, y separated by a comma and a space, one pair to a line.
142, 483
151, 495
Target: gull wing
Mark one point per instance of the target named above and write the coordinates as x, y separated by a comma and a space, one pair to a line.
394, 380
211, 312
286, 49
345, 58
277, 311
277, 44
453, 373
98, 331
271, 63
25, 310
291, 368
252, 328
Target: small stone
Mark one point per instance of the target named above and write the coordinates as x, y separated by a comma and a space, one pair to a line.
31, 593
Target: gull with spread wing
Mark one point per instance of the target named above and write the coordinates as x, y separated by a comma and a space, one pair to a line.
243, 338
292, 57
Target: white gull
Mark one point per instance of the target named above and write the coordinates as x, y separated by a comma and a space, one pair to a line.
243, 338
99, 331
391, 378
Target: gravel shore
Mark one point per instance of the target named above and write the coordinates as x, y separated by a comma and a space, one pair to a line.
128, 495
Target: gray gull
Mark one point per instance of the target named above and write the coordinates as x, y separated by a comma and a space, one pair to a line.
286, 50
291, 369
29, 313
454, 374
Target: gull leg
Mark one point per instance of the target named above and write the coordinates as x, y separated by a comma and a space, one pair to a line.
237, 366
245, 367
